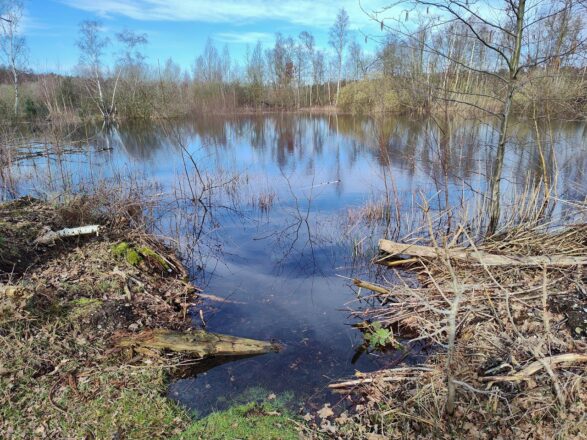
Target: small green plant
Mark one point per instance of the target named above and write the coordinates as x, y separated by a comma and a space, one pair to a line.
378, 337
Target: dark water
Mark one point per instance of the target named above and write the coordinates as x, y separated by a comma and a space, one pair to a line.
285, 267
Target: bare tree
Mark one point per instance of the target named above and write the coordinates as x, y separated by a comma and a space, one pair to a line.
494, 42
308, 44
255, 73
131, 60
318, 73
356, 61
338, 40
12, 44
92, 44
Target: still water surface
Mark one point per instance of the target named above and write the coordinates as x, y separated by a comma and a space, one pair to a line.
279, 240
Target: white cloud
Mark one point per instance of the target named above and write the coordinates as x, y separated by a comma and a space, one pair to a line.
311, 13
243, 37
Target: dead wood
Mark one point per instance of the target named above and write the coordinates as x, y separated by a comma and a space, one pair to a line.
479, 256
567, 359
50, 236
371, 286
394, 375
215, 298
199, 342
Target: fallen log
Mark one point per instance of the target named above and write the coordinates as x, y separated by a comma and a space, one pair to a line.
50, 236
198, 342
568, 359
480, 257
395, 263
215, 298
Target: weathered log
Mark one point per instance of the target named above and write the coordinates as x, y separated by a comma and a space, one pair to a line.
198, 342
395, 263
480, 257
50, 236
568, 359
215, 298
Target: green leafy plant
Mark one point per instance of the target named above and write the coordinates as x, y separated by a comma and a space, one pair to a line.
377, 336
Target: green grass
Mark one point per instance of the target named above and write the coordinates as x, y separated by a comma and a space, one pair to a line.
251, 421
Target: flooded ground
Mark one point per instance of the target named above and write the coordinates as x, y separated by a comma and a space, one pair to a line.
292, 210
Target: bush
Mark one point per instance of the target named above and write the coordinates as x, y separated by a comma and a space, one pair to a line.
33, 109
369, 96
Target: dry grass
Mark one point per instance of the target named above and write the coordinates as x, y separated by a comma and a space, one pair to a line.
59, 376
372, 212
263, 201
498, 333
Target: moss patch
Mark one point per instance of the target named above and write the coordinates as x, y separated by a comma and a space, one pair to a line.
153, 256
129, 253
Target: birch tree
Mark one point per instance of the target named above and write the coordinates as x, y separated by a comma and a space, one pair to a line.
12, 44
92, 45
338, 40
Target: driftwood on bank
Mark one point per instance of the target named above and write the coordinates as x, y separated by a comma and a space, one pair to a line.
50, 236
567, 359
199, 342
481, 257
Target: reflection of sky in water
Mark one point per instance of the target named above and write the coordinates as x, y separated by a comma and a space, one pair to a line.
284, 265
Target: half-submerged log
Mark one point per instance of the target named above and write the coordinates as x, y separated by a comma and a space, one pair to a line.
198, 342
480, 257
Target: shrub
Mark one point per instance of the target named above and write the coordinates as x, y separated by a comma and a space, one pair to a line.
369, 96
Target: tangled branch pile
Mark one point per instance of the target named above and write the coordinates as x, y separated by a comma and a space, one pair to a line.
508, 320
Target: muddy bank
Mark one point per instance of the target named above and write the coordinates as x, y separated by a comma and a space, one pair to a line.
75, 313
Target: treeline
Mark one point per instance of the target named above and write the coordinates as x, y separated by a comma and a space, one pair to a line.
292, 73
444, 56
423, 64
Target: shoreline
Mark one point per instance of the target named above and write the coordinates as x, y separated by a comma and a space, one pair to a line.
75, 315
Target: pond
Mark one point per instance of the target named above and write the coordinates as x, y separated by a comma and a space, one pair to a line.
293, 210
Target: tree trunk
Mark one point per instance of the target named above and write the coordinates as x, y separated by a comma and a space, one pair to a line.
338, 81
15, 76
495, 208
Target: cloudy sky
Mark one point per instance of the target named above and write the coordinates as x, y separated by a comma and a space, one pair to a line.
179, 28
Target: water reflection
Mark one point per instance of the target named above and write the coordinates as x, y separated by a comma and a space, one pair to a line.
286, 266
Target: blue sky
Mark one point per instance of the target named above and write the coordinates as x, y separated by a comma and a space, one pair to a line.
179, 28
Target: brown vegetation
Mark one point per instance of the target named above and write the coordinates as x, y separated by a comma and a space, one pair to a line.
509, 356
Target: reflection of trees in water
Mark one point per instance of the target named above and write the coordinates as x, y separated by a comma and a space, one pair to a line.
448, 150
462, 150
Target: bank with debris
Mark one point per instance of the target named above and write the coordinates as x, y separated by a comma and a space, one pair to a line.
94, 318
506, 318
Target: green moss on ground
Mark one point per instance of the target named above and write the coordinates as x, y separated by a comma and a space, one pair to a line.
129, 253
136, 255
149, 253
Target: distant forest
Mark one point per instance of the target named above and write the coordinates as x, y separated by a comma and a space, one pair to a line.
426, 62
